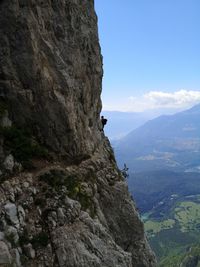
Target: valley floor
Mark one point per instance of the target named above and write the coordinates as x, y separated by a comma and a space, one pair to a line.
174, 235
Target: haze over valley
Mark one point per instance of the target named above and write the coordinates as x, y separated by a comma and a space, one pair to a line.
168, 142
164, 179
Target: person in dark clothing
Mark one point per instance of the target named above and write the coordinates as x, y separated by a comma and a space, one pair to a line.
103, 122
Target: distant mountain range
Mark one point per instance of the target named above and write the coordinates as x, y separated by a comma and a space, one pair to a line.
163, 157
168, 142
121, 123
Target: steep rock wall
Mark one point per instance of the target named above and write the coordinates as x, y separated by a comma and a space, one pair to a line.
63, 202
51, 71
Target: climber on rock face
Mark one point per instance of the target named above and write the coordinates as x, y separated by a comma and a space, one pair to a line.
103, 122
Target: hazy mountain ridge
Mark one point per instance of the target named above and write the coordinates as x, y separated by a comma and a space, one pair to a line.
163, 143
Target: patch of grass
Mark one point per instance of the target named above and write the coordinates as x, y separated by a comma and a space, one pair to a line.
188, 215
153, 227
176, 245
189, 256
173, 260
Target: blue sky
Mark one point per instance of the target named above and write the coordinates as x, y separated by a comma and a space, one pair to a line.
151, 51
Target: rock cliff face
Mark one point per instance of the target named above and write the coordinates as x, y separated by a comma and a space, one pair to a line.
63, 202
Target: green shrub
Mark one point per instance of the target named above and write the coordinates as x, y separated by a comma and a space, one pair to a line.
3, 108
86, 203
39, 240
11, 238
54, 178
23, 259
24, 238
22, 145
58, 178
40, 202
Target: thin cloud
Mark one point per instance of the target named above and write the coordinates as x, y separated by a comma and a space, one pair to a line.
155, 100
179, 98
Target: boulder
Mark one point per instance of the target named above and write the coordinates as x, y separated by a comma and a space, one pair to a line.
11, 213
9, 163
5, 257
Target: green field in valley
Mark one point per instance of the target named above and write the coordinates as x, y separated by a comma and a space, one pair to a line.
187, 213
176, 238
153, 227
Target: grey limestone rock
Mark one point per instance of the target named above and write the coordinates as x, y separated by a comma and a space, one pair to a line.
2, 236
61, 216
12, 235
5, 257
21, 215
9, 163
16, 257
5, 121
11, 213
30, 252
91, 248
74, 209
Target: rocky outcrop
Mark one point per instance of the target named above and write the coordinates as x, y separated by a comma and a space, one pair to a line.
74, 216
63, 201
